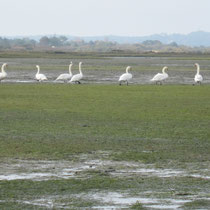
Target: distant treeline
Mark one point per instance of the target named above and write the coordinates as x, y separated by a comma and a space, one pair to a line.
78, 45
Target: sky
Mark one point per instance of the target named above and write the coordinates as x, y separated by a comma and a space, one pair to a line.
103, 17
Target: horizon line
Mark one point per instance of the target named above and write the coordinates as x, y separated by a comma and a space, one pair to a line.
105, 35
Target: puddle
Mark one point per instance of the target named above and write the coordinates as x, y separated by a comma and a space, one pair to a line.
39, 202
124, 201
154, 172
200, 176
164, 206
24, 176
110, 200
42, 170
45, 170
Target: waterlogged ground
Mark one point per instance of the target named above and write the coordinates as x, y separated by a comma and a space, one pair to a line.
104, 146
86, 167
108, 70
49, 170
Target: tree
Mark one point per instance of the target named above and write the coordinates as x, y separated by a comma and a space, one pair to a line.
44, 41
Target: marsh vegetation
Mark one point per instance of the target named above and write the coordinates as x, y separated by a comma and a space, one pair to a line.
101, 145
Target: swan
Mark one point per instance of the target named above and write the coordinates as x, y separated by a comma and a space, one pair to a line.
126, 76
3, 74
198, 78
77, 77
159, 77
40, 77
66, 77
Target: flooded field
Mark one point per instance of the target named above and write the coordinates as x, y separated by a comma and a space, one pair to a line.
102, 146
107, 70
84, 167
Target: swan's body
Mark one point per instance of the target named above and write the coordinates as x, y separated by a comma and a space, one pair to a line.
77, 77
126, 76
3, 74
40, 77
159, 77
198, 78
66, 77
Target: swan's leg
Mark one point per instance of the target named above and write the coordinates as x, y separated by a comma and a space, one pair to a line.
127, 82
79, 82
120, 83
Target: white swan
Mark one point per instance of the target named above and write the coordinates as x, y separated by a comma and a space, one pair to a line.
198, 78
40, 77
66, 77
77, 77
159, 77
126, 76
3, 74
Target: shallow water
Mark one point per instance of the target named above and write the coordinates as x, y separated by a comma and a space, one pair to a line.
117, 200
44, 170
14, 169
107, 71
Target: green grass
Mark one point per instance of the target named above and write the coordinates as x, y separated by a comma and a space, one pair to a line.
57, 190
197, 204
56, 121
62, 54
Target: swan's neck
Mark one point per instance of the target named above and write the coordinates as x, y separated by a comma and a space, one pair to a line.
70, 69
2, 68
80, 68
38, 69
127, 70
198, 69
164, 70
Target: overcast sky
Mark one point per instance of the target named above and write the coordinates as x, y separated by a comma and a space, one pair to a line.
103, 17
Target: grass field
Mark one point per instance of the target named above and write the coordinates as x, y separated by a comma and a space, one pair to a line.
147, 144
